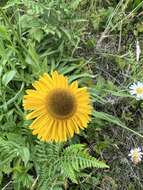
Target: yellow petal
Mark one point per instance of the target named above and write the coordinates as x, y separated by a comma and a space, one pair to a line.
39, 121
70, 129
60, 131
36, 113
74, 85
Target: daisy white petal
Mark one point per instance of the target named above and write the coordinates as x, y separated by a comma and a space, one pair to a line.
136, 90
136, 155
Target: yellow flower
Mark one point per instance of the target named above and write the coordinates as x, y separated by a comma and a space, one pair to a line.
60, 110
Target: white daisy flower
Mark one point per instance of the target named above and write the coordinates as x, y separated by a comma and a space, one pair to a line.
136, 89
136, 155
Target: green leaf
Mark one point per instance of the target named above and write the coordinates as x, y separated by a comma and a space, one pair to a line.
119, 93
36, 33
57, 188
3, 32
75, 77
25, 155
8, 77
75, 4
1, 70
115, 120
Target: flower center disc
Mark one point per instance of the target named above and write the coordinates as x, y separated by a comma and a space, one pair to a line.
61, 104
139, 90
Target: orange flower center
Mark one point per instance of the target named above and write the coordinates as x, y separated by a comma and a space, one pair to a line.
61, 104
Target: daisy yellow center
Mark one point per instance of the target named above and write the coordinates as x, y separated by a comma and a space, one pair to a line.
135, 154
139, 90
61, 104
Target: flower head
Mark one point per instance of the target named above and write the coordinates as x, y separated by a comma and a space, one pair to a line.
136, 89
136, 155
60, 110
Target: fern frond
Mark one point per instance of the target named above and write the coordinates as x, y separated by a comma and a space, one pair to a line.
10, 150
66, 162
76, 158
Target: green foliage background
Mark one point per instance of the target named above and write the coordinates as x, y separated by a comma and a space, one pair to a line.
89, 41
